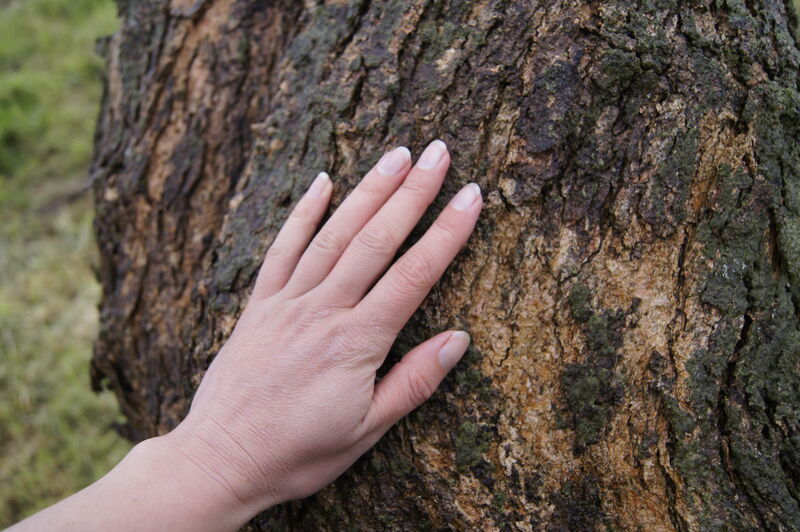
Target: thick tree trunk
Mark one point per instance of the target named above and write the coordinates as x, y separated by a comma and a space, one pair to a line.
632, 287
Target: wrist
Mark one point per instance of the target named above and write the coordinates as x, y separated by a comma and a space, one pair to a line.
190, 491
216, 454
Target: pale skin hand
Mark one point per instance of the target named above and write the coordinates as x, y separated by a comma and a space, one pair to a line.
291, 400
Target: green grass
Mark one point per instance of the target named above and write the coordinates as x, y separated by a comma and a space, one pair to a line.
55, 434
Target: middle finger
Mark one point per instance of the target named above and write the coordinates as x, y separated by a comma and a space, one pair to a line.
360, 205
376, 243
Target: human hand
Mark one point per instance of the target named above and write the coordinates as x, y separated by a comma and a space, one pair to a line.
291, 401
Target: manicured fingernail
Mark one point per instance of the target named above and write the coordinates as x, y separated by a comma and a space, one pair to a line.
316, 188
452, 351
465, 197
394, 161
432, 155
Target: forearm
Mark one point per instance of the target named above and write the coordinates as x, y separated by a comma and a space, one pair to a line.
152, 488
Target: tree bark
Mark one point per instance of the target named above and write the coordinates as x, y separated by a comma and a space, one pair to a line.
632, 288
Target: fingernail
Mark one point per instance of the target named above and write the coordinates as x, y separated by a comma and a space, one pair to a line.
394, 161
465, 197
452, 351
432, 155
316, 188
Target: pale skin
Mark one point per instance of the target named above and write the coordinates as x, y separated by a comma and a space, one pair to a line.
291, 400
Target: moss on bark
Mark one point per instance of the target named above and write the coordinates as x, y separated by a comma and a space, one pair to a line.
631, 289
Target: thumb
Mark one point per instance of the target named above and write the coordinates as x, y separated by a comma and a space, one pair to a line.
414, 378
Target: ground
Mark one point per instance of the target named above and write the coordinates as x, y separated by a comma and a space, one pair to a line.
55, 434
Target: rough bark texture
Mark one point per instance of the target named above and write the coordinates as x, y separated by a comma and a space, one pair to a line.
632, 287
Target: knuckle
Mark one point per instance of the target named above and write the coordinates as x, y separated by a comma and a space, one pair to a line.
348, 348
306, 212
415, 270
304, 314
374, 325
328, 242
347, 345
376, 239
318, 313
300, 212
419, 188
371, 188
447, 228
420, 388
354, 341
275, 252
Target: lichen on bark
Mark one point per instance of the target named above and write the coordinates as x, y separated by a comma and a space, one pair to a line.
631, 288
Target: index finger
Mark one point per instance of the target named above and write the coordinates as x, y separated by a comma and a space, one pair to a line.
401, 290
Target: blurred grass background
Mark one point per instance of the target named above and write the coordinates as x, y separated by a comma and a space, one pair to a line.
55, 434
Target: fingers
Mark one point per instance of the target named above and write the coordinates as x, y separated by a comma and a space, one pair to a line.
356, 210
292, 239
396, 296
375, 245
414, 379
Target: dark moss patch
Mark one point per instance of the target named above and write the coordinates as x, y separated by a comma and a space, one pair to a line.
580, 302
472, 442
577, 506
541, 121
400, 466
664, 205
499, 501
745, 389
591, 393
616, 69
592, 389
470, 379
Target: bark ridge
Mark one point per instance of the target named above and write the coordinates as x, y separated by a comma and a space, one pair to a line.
632, 288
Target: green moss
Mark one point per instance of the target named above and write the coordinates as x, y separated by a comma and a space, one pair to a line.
376, 462
243, 49
600, 336
652, 49
792, 8
580, 300
616, 69
499, 501
590, 396
592, 389
577, 505
471, 444
547, 115
682, 422
665, 205
470, 379
338, 511
789, 240
745, 384
400, 466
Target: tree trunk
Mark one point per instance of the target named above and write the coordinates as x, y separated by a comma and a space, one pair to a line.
632, 288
